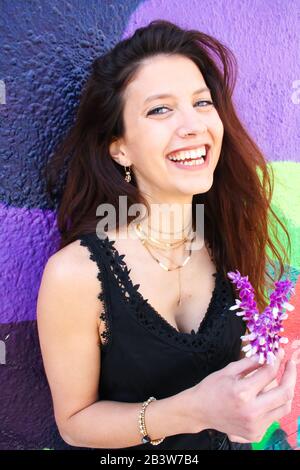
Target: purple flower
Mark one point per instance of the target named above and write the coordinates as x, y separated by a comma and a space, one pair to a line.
264, 328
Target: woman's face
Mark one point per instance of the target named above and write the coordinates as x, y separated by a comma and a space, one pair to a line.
156, 127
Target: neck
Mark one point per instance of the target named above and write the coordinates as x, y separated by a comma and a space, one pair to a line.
168, 222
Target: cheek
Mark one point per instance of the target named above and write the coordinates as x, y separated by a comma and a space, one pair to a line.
153, 133
217, 128
221, 131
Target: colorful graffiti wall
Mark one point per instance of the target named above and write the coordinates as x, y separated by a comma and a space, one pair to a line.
46, 49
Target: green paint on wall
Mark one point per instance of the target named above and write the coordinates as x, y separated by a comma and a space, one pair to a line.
286, 204
263, 444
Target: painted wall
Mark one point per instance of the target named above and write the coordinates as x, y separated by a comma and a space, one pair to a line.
46, 49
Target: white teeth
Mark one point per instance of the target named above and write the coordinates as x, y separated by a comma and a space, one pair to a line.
199, 161
191, 154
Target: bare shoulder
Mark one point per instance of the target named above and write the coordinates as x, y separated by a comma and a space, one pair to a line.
71, 271
69, 291
72, 260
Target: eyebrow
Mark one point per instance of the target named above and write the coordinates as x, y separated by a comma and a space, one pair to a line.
168, 95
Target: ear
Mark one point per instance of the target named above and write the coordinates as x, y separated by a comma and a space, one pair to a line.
116, 151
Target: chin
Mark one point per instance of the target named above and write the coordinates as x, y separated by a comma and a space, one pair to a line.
205, 186
198, 189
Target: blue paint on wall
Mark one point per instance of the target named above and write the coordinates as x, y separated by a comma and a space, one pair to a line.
46, 50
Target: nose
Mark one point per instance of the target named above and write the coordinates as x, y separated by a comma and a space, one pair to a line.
192, 126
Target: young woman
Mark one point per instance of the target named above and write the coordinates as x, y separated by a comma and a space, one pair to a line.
134, 323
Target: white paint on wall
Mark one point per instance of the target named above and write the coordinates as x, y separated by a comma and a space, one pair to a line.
296, 93
2, 92
2, 352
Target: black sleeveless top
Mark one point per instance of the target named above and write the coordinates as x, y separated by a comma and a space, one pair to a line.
143, 355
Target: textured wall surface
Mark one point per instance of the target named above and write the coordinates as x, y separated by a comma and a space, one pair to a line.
46, 49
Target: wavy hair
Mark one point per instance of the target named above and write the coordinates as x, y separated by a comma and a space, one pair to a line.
240, 224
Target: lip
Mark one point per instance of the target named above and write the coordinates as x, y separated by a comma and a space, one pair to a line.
190, 147
193, 167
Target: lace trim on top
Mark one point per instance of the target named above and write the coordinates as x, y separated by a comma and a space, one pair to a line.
105, 335
211, 326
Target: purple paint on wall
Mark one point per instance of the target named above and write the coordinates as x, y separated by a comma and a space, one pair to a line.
26, 412
265, 37
29, 238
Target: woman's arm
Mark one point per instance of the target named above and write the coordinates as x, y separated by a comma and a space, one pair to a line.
68, 319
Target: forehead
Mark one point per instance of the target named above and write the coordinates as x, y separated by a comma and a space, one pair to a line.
172, 74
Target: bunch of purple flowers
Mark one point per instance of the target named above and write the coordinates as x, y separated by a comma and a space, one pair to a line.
265, 327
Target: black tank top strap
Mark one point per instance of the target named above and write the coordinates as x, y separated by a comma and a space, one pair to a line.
98, 253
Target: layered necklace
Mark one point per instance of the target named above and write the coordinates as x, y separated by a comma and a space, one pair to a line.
149, 241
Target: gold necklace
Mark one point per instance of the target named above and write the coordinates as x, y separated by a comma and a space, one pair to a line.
157, 243
144, 242
179, 231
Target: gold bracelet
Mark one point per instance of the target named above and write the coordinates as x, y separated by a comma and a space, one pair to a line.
142, 425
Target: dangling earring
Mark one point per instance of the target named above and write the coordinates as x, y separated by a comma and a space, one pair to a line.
128, 175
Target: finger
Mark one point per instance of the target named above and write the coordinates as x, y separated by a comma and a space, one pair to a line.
281, 394
271, 385
244, 366
279, 413
289, 376
261, 378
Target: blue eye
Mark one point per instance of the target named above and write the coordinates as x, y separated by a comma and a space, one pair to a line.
208, 103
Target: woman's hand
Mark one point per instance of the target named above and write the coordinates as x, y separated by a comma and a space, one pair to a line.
242, 399
239, 439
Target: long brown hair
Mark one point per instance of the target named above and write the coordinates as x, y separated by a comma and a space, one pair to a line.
239, 221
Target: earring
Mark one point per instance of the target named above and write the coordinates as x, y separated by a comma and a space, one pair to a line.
128, 175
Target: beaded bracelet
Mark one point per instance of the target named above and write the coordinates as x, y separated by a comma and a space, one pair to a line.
142, 425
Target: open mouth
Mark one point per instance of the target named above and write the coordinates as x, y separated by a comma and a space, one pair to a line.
193, 159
